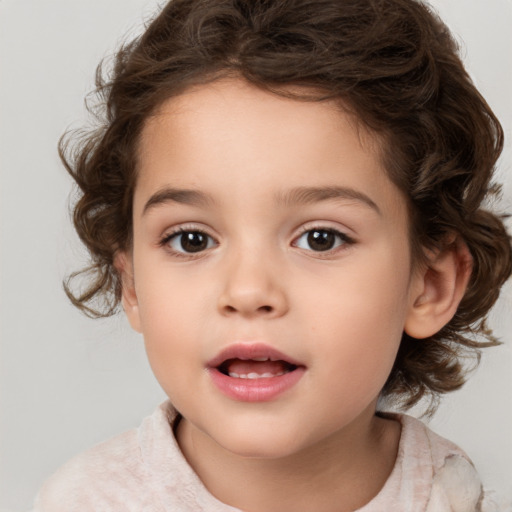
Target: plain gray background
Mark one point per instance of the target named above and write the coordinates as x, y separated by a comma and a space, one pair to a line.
68, 382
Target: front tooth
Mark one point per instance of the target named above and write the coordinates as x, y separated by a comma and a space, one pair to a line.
254, 375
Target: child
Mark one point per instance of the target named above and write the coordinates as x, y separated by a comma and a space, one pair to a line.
286, 199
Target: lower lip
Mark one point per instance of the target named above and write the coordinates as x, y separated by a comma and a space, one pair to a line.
255, 390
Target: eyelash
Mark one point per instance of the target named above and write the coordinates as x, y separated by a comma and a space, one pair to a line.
342, 242
164, 242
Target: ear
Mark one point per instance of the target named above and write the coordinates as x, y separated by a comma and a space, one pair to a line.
124, 265
438, 290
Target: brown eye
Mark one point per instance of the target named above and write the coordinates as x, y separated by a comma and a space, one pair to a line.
319, 240
190, 241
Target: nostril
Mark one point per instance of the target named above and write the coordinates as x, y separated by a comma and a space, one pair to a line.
228, 309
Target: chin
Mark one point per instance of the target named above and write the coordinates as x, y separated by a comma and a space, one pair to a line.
260, 441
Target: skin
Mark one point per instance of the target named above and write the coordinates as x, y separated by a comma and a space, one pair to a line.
340, 312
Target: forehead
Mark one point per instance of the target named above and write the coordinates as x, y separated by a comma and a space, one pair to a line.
224, 105
230, 135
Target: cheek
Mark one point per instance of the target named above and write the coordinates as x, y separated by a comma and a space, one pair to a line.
359, 324
369, 294
170, 315
167, 296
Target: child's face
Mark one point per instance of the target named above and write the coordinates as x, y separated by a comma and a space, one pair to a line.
295, 240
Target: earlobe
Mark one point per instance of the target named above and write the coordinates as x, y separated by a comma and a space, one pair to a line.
124, 265
439, 288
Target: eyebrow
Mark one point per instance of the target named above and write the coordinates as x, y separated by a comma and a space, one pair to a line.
293, 197
176, 195
308, 195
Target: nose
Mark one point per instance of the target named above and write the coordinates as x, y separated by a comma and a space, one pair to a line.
253, 288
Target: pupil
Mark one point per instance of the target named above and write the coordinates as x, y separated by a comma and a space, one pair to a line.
193, 241
321, 240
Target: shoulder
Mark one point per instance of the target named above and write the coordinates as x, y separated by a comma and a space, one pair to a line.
108, 475
142, 470
94, 478
455, 484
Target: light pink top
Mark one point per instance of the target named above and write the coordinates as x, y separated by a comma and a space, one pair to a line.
143, 470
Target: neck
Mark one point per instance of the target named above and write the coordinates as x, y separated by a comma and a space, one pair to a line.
342, 472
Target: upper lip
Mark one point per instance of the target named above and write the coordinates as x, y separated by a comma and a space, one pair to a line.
247, 351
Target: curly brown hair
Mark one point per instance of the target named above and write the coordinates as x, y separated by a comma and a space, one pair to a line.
395, 65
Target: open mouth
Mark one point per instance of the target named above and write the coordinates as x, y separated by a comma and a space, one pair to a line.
256, 368
254, 372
